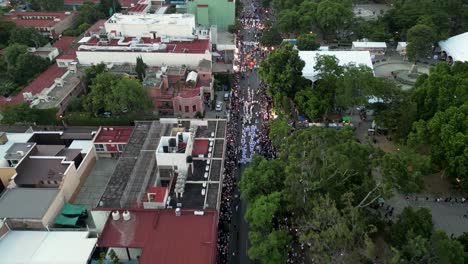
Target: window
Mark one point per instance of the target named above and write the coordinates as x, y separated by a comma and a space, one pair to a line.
121, 147
194, 108
99, 147
180, 108
186, 109
62, 64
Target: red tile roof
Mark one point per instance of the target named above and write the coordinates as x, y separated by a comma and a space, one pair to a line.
200, 147
16, 17
164, 237
96, 27
42, 81
127, 3
113, 134
65, 46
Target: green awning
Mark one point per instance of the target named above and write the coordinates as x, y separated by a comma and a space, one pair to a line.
66, 221
72, 210
346, 118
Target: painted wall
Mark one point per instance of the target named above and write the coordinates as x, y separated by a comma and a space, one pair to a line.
6, 174
100, 218
151, 59
219, 12
54, 209
143, 30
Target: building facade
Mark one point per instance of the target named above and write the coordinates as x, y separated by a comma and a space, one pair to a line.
213, 12
47, 23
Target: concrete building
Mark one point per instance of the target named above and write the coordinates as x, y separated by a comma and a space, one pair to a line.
42, 171
344, 58
220, 13
110, 142
179, 91
158, 39
47, 23
52, 247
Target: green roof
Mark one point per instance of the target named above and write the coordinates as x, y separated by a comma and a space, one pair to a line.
66, 221
70, 209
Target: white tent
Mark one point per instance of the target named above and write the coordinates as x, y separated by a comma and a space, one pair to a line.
344, 58
456, 46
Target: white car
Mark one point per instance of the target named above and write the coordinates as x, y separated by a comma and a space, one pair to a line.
219, 107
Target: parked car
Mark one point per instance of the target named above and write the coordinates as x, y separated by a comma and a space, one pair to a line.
226, 96
219, 107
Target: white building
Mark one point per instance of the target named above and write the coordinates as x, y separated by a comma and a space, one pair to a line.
344, 58
456, 47
375, 48
159, 39
151, 25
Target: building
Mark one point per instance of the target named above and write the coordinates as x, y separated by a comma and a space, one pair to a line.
375, 48
455, 47
45, 52
224, 46
158, 39
344, 58
111, 141
161, 236
55, 86
179, 91
47, 23
220, 13
52, 247
41, 171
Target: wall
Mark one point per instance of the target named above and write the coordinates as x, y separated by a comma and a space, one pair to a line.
151, 58
100, 218
143, 30
70, 182
122, 253
25, 224
54, 209
220, 12
6, 174
190, 102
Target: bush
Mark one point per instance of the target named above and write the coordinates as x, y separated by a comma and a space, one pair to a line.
87, 119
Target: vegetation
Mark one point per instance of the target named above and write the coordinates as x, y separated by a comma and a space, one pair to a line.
47, 5
27, 36
271, 37
307, 42
16, 70
23, 114
140, 68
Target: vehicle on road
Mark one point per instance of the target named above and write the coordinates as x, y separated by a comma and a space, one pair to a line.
219, 106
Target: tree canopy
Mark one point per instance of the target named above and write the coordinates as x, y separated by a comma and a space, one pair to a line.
307, 42
117, 94
271, 37
420, 39
27, 36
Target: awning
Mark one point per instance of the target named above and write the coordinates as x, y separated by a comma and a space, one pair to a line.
72, 210
66, 221
346, 118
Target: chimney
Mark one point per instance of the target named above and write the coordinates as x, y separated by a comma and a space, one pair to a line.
3, 138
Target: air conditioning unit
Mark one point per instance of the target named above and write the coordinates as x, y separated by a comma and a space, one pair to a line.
59, 82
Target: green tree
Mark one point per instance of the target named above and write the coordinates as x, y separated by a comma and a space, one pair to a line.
117, 94
93, 71
282, 71
262, 177
140, 69
288, 22
261, 212
23, 72
89, 13
23, 114
411, 222
27, 36
332, 16
278, 130
271, 37
271, 248
307, 42
47, 5
420, 40
355, 86
446, 250
5, 31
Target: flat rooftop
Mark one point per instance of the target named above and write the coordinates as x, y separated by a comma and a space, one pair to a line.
56, 247
115, 134
165, 237
142, 19
137, 168
53, 96
26, 203
36, 19
197, 46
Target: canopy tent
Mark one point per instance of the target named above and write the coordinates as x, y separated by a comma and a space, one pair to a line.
346, 118
456, 47
72, 210
66, 221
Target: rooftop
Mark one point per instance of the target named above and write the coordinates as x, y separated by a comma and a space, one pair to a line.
344, 58
36, 19
26, 203
368, 44
113, 134
53, 96
37, 247
131, 44
13, 138
35, 171
165, 237
456, 47
141, 19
